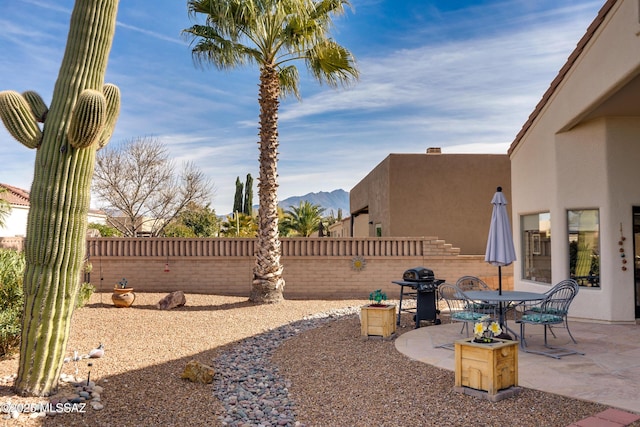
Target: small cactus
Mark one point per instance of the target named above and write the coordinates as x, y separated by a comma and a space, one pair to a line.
377, 296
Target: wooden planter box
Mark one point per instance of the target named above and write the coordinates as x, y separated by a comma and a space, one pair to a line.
378, 321
489, 367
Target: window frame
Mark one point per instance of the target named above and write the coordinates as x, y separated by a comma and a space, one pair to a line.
535, 251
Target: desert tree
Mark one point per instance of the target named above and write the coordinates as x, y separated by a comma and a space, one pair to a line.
273, 35
194, 221
140, 190
79, 121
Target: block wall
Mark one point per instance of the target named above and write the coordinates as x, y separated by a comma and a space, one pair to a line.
318, 268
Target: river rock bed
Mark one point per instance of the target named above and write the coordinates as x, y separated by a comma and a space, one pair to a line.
249, 385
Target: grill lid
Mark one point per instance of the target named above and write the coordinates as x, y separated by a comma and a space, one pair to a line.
418, 274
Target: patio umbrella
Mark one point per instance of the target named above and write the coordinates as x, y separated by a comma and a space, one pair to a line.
500, 251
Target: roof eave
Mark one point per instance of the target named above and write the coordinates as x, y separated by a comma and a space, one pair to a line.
563, 72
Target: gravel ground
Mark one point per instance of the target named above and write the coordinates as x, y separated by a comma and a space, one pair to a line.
316, 372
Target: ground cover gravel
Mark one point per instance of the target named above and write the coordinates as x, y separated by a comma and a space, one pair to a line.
284, 364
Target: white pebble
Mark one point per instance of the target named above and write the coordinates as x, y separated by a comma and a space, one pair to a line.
97, 405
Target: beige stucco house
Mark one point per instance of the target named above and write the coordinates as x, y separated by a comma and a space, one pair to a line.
576, 174
431, 194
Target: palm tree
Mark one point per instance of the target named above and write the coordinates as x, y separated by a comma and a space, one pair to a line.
271, 34
239, 225
304, 219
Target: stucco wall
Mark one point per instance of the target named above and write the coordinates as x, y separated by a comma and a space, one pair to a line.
16, 222
582, 152
444, 195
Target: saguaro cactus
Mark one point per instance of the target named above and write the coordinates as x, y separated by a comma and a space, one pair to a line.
81, 120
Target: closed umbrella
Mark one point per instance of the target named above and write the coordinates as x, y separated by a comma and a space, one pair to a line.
500, 251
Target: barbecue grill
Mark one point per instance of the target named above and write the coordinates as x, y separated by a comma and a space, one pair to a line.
422, 286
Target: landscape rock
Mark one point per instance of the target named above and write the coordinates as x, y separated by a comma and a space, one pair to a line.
198, 372
172, 300
97, 406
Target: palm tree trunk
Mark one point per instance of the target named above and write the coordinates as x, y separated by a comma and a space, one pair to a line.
268, 284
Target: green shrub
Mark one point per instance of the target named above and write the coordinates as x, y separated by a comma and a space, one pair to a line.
84, 294
105, 230
10, 327
11, 270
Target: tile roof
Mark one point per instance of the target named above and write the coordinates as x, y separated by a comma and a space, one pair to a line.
563, 71
14, 195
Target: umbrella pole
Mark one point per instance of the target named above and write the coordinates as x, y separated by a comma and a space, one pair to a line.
503, 323
500, 293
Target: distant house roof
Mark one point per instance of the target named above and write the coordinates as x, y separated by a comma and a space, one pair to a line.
563, 71
14, 195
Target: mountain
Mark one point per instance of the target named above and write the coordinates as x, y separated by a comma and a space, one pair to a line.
330, 201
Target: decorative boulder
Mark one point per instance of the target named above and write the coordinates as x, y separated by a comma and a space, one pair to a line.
172, 300
198, 372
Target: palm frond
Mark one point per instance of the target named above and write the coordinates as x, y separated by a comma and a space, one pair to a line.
332, 64
289, 78
211, 47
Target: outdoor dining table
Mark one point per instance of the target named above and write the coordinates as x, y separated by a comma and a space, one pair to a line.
503, 297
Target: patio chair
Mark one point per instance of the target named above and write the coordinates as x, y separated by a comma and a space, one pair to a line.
472, 283
460, 308
553, 310
536, 307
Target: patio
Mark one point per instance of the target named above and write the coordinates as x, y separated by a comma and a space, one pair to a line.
608, 373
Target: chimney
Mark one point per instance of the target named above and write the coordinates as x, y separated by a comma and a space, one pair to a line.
434, 150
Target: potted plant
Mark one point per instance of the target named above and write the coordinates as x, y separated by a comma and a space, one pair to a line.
486, 330
486, 362
378, 318
122, 295
377, 297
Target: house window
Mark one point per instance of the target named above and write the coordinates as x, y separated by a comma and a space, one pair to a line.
584, 246
378, 230
536, 247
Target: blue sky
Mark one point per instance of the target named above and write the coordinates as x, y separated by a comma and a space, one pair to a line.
460, 75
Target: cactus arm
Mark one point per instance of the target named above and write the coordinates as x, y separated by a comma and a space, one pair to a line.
87, 119
37, 105
112, 95
16, 114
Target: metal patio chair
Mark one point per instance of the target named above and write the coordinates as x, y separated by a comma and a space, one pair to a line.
472, 283
551, 311
460, 308
536, 307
